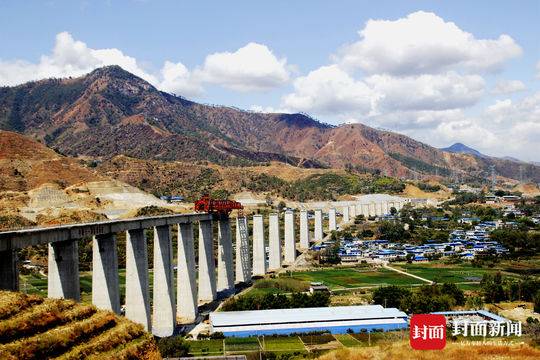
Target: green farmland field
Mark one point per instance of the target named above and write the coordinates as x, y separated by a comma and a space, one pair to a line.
283, 344
206, 347
37, 284
347, 340
455, 273
343, 278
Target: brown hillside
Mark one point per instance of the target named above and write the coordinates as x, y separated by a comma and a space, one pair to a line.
111, 112
26, 164
192, 180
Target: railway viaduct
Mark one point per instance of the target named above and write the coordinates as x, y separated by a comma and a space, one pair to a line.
197, 283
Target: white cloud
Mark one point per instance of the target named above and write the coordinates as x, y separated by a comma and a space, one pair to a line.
508, 87
69, 58
467, 131
504, 128
420, 74
423, 43
176, 78
329, 90
251, 68
426, 92
411, 122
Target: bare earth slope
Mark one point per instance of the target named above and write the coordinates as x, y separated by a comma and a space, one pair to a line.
39, 185
26, 164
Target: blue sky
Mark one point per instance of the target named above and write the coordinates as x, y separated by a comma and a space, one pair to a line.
473, 86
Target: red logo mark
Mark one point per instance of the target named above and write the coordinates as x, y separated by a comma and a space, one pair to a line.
428, 332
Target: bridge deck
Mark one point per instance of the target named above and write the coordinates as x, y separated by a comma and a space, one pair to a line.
16, 239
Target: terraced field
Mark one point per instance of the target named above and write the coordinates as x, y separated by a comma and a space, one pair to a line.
33, 327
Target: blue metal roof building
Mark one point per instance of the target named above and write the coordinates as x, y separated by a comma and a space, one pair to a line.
337, 320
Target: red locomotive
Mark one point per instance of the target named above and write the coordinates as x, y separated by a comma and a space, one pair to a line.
220, 207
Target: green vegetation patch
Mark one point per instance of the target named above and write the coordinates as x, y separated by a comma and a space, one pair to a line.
317, 339
206, 347
337, 279
247, 344
455, 273
283, 344
347, 340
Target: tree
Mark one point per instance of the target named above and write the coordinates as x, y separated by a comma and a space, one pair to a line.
492, 288
393, 231
409, 258
390, 296
359, 219
475, 302
174, 346
536, 302
453, 291
393, 211
367, 233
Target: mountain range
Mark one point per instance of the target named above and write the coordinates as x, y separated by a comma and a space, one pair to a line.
111, 112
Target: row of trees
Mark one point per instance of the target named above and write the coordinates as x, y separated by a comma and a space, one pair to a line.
277, 301
496, 288
425, 299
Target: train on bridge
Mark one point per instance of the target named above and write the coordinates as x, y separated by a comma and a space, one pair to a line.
220, 207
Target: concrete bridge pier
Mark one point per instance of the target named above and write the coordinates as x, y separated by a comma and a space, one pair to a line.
304, 229
379, 209
259, 250
352, 212
332, 225
385, 208
318, 235
105, 283
63, 271
186, 285
290, 245
164, 304
346, 218
274, 242
364, 210
358, 209
9, 271
225, 282
207, 270
372, 210
137, 294
243, 258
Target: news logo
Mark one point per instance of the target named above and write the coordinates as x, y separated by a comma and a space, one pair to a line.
428, 332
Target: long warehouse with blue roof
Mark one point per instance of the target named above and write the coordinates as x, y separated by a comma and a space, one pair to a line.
337, 320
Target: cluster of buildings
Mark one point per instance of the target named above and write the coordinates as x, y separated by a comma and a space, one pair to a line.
466, 244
